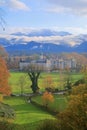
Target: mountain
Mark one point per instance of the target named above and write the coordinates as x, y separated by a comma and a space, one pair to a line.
81, 48
45, 40
34, 47
4, 42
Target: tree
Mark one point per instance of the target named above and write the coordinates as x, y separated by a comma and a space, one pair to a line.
6, 112
4, 75
68, 83
34, 71
84, 72
22, 83
47, 98
75, 116
62, 78
48, 83
3, 53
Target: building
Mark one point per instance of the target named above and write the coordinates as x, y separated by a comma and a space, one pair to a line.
50, 64
44, 64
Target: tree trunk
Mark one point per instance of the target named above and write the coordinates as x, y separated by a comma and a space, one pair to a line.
34, 79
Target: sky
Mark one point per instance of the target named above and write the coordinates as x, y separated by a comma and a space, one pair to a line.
60, 15
36, 15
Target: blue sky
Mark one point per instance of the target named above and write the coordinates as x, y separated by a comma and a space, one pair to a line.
64, 15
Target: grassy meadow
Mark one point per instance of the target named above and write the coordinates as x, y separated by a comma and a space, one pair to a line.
14, 81
29, 116
58, 105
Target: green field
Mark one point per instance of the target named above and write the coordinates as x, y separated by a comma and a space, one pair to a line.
27, 115
58, 105
14, 78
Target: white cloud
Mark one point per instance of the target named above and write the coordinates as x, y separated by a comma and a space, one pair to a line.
15, 5
73, 6
56, 9
73, 30
69, 39
74, 39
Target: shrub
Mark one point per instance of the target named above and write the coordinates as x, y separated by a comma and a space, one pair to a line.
6, 126
48, 125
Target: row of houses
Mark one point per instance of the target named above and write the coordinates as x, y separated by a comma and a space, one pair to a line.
49, 64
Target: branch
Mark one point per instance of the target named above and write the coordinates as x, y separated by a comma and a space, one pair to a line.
38, 73
30, 75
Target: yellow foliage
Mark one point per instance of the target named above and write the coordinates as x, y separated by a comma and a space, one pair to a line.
75, 116
1, 98
81, 89
48, 82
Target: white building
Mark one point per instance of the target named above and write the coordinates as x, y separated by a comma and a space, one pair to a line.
50, 64
44, 64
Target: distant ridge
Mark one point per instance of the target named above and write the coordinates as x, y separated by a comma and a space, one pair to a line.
45, 40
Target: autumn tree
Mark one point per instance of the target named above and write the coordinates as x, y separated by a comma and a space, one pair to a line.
13, 62
84, 72
3, 52
6, 112
83, 80
4, 75
75, 116
48, 83
47, 98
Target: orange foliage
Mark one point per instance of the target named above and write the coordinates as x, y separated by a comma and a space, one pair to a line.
47, 97
4, 75
48, 82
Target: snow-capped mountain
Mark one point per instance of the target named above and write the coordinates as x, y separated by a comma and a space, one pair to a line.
46, 41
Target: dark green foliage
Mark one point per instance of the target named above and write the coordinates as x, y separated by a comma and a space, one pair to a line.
68, 85
48, 125
6, 111
6, 126
53, 125
80, 81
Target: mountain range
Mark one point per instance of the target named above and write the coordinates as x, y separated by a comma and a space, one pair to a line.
43, 41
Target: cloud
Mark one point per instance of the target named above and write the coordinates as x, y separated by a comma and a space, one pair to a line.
15, 5
70, 29
70, 40
78, 7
